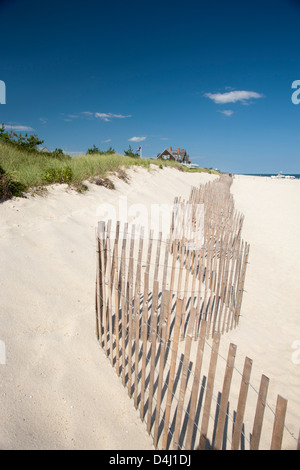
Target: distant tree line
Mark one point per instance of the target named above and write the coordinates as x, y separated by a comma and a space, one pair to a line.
95, 150
131, 153
27, 143
30, 143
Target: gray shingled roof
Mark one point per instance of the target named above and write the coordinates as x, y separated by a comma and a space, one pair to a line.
178, 156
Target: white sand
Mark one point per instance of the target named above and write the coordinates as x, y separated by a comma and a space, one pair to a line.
269, 328
57, 389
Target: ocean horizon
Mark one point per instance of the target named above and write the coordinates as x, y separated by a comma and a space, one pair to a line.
296, 175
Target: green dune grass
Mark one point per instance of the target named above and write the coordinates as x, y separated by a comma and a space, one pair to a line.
35, 170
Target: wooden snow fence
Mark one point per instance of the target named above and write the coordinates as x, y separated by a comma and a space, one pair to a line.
159, 306
206, 231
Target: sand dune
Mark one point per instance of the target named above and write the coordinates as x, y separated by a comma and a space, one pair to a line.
58, 390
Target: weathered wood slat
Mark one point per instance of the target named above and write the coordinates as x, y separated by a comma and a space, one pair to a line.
209, 391
238, 424
153, 338
196, 385
178, 317
279, 419
225, 397
259, 413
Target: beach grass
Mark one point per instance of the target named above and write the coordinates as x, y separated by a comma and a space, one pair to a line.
36, 170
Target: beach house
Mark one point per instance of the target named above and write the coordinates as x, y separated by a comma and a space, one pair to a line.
179, 155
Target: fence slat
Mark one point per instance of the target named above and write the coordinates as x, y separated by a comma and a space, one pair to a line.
196, 384
209, 391
241, 404
175, 253
157, 260
98, 291
164, 314
136, 316
184, 306
178, 316
101, 234
279, 419
259, 413
184, 378
115, 277
153, 336
130, 308
144, 342
109, 297
225, 397
123, 301
245, 262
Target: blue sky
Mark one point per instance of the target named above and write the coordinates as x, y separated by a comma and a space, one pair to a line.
214, 78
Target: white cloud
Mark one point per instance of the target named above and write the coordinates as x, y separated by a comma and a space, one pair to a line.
121, 116
18, 128
164, 138
102, 116
227, 112
108, 116
106, 141
89, 115
43, 120
137, 139
233, 96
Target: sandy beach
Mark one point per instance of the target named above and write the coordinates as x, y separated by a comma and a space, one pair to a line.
58, 390
269, 328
